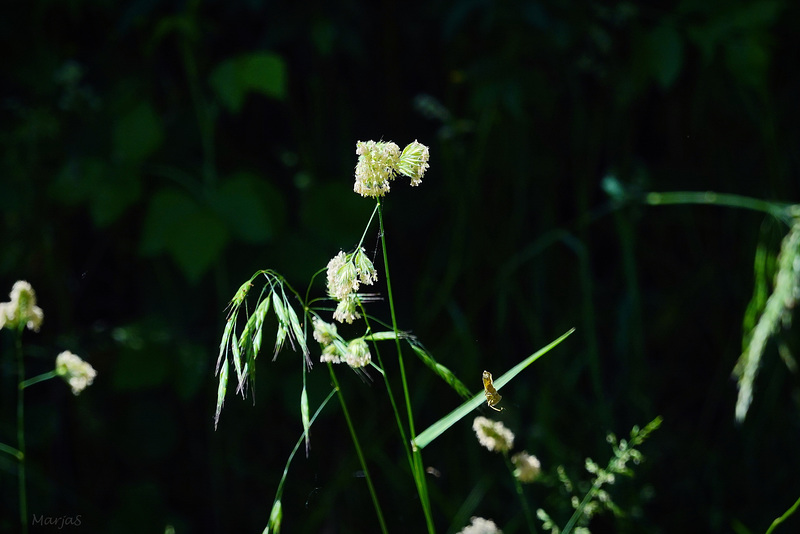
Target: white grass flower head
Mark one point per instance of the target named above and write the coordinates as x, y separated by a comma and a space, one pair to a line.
479, 525
76, 372
364, 267
527, 467
22, 310
377, 163
414, 162
358, 354
324, 333
493, 434
342, 276
331, 354
347, 309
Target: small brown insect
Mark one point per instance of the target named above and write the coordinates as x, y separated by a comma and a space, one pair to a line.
492, 396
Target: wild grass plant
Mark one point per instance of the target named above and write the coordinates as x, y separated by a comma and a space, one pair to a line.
301, 317
17, 315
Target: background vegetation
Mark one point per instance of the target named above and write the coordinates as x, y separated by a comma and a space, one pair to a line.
156, 154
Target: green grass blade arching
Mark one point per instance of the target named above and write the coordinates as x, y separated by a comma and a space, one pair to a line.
436, 429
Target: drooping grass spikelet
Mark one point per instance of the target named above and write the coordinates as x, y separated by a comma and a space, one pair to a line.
777, 311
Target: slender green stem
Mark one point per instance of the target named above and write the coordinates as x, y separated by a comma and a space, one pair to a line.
23, 493
360, 454
783, 212
579, 510
521, 494
36, 379
369, 223
392, 400
784, 517
417, 468
300, 440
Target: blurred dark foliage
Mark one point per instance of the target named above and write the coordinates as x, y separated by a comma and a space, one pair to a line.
155, 154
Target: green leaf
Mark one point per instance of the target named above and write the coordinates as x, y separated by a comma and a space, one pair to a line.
250, 206
436, 429
118, 190
259, 72
665, 54
190, 233
137, 134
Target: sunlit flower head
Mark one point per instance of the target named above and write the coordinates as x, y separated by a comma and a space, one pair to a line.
414, 162
479, 525
527, 467
331, 354
377, 163
347, 309
22, 310
357, 353
493, 434
342, 276
76, 372
324, 332
364, 268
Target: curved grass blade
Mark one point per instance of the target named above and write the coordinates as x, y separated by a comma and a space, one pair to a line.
437, 428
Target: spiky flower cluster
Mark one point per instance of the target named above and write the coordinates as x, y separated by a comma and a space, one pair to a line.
75, 372
354, 353
379, 163
22, 309
345, 273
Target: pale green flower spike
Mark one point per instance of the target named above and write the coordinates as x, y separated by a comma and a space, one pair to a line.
76, 372
22, 310
414, 162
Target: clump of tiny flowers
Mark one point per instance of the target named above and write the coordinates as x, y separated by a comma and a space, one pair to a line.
355, 353
345, 274
527, 467
379, 162
22, 309
493, 434
479, 525
76, 372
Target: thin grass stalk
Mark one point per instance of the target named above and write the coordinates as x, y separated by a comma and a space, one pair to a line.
360, 454
23, 492
392, 400
417, 468
304, 436
521, 494
579, 510
784, 517
782, 212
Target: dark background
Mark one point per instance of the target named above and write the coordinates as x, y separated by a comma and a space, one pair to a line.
156, 154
